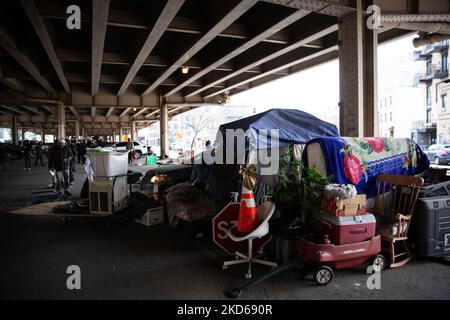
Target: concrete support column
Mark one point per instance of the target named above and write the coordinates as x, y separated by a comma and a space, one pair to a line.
163, 126
114, 133
83, 133
357, 73
23, 134
120, 133
133, 130
43, 135
77, 130
61, 121
14, 130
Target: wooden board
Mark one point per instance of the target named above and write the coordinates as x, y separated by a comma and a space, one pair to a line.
46, 209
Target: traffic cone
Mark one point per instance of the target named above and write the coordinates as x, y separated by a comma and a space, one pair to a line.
247, 212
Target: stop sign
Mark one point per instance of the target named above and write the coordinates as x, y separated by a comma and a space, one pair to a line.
224, 221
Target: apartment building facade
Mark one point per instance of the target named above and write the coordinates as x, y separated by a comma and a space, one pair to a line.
435, 82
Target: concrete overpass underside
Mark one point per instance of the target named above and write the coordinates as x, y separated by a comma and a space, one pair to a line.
122, 69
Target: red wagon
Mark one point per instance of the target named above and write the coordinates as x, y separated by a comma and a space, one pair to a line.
326, 257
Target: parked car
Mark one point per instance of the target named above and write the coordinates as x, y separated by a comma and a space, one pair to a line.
443, 158
11, 151
141, 147
435, 151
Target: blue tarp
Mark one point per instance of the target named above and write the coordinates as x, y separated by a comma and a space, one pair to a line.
294, 126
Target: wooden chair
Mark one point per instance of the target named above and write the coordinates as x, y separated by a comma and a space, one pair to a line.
394, 204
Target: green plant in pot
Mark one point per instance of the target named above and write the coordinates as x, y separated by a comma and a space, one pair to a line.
297, 191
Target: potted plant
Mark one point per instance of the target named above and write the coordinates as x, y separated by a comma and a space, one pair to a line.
297, 192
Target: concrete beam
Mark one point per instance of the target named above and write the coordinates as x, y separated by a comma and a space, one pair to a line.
242, 7
34, 110
125, 112
110, 110
316, 32
12, 83
44, 36
139, 112
16, 110
164, 19
7, 42
272, 29
100, 9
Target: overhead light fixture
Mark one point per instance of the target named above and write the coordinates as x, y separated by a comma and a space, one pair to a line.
184, 69
134, 109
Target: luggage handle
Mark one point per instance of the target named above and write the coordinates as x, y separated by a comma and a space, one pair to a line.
358, 231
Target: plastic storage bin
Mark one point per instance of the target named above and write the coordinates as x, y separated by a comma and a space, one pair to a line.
109, 163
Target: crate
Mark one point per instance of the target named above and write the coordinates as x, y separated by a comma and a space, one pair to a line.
347, 207
152, 217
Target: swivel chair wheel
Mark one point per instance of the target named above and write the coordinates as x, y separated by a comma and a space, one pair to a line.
248, 275
233, 293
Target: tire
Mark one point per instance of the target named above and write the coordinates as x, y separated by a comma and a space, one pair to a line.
139, 153
436, 160
378, 263
323, 275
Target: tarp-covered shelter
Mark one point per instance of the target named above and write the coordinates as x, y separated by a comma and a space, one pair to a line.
294, 126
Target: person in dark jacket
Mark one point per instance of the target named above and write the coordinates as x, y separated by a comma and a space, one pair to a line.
39, 152
59, 161
73, 150
27, 154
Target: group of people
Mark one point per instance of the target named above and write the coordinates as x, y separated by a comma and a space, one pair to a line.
62, 157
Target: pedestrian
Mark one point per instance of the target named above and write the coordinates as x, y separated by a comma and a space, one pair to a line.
83, 151
79, 153
73, 150
59, 161
39, 152
27, 154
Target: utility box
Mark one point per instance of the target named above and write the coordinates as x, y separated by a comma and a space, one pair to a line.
108, 195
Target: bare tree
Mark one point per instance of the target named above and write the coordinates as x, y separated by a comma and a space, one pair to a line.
197, 125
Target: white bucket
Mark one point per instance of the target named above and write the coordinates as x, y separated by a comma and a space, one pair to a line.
109, 163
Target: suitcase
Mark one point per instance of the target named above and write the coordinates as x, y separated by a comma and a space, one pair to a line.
430, 227
351, 229
45, 196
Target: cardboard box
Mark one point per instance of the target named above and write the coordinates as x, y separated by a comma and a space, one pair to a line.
152, 217
348, 207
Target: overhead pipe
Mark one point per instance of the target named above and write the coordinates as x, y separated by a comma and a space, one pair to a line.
424, 40
430, 27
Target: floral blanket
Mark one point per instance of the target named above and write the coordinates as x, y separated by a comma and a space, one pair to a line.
358, 161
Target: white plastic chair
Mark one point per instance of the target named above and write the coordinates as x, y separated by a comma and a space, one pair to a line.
264, 212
